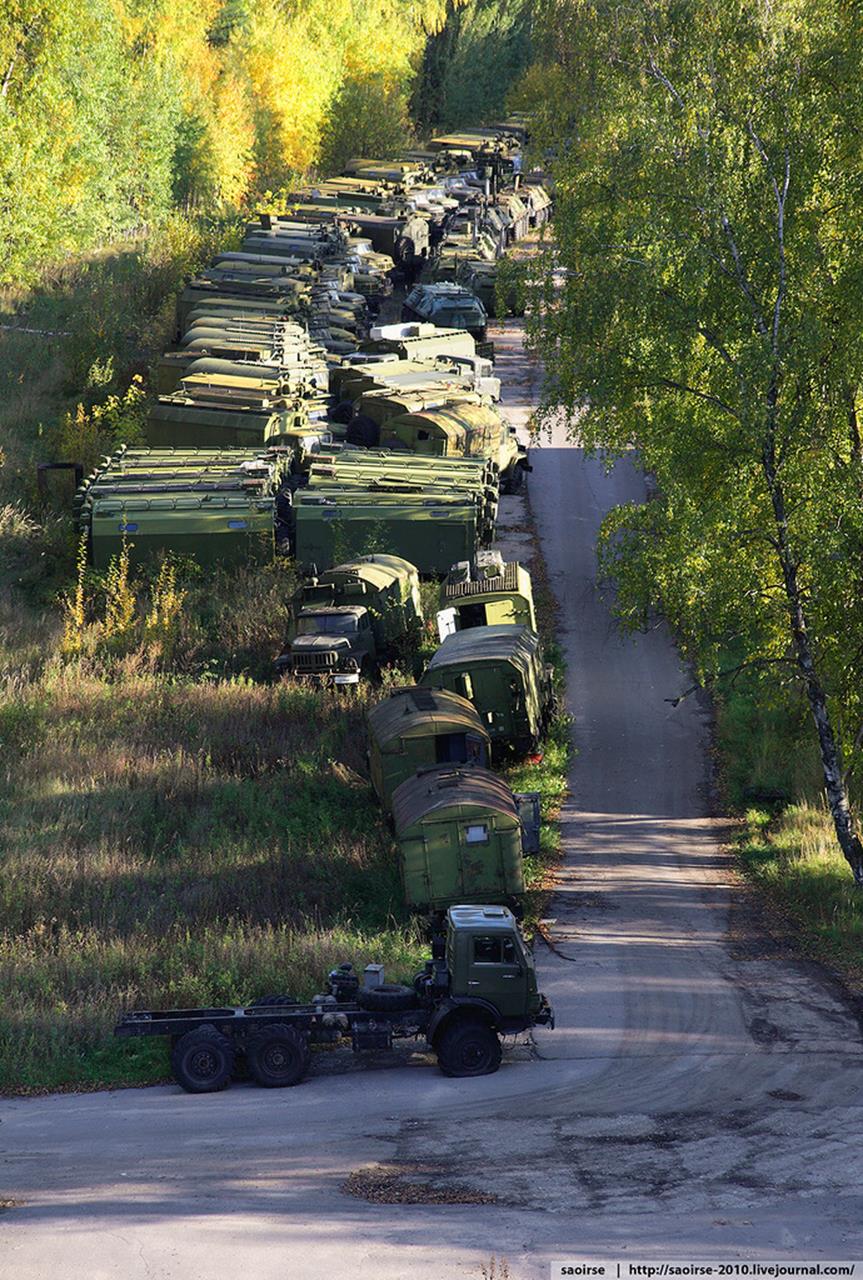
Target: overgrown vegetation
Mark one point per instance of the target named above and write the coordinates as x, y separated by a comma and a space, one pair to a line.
177, 828
158, 838
699, 305
471, 62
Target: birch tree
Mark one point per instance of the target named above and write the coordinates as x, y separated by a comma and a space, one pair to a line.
709, 187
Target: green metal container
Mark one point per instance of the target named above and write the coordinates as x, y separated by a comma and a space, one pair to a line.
179, 420
420, 341
459, 836
417, 728
431, 533
212, 529
499, 669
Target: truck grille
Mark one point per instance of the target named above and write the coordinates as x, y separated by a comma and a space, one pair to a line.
316, 661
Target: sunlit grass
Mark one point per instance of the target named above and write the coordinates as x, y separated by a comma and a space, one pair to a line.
795, 859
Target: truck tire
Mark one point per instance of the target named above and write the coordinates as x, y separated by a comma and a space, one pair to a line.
278, 1056
202, 1060
468, 1047
266, 1002
387, 998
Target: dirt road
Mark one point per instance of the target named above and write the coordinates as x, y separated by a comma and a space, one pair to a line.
701, 1096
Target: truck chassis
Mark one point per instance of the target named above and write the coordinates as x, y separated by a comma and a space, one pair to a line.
275, 1036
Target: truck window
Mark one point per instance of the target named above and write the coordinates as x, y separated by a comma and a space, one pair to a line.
486, 950
327, 624
494, 950
476, 833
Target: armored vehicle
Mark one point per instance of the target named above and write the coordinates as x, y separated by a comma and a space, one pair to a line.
479, 985
462, 836
417, 728
488, 593
449, 306
501, 671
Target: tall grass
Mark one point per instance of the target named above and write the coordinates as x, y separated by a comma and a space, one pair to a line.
794, 858
170, 841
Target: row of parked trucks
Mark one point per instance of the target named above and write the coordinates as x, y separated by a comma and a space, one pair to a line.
289, 422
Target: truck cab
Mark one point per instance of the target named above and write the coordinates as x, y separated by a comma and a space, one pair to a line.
330, 643
483, 987
487, 959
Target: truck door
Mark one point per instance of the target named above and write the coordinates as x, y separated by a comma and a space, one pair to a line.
496, 974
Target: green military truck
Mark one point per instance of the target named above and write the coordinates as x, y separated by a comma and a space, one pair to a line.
461, 428
490, 592
462, 836
350, 617
417, 728
479, 985
430, 531
499, 669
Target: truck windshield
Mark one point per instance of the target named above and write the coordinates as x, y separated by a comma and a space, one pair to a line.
327, 624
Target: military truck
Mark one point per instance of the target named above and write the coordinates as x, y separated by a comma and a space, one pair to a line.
331, 644
489, 592
417, 728
460, 428
419, 341
377, 407
479, 985
462, 837
429, 531
500, 670
349, 618
450, 306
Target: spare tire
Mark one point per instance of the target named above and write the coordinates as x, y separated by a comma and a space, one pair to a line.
389, 997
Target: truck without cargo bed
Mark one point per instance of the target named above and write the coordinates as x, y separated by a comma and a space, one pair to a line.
479, 985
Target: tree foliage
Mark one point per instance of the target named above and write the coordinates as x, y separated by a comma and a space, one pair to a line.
709, 175
113, 111
472, 62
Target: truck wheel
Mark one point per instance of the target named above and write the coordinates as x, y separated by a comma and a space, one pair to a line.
266, 1002
468, 1048
278, 1056
202, 1060
387, 998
